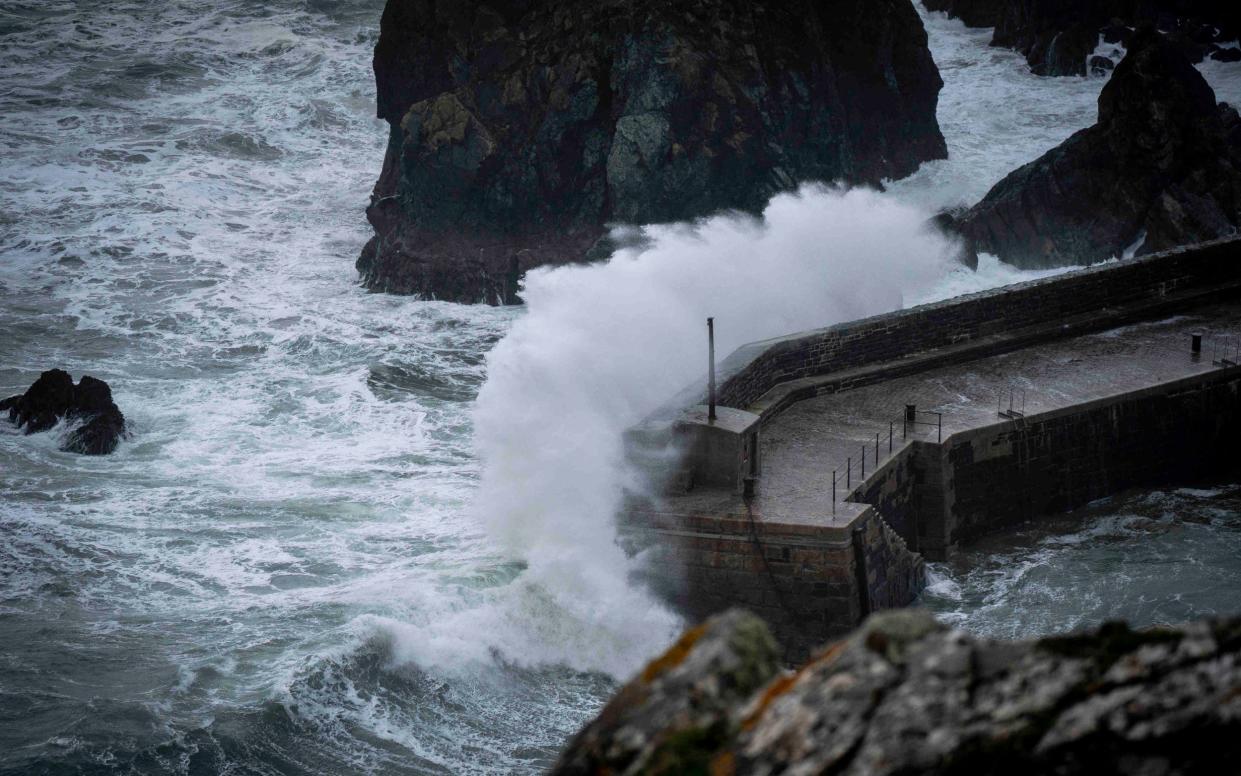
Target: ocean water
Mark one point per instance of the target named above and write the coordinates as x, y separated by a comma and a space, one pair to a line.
350, 532
1146, 557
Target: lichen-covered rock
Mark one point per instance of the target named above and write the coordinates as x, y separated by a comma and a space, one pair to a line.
521, 130
1161, 168
1058, 37
686, 705
904, 694
54, 397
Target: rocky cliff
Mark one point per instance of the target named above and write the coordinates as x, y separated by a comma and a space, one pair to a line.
1161, 168
906, 695
1058, 37
520, 129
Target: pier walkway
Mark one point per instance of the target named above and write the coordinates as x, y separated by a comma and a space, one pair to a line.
1028, 400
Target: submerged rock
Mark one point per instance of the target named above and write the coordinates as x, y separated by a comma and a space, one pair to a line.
1161, 168
54, 397
904, 694
1058, 37
520, 131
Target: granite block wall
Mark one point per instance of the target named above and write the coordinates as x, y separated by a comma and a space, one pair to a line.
999, 320
804, 580
1002, 475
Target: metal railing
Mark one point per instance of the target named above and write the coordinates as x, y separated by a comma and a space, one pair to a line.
1220, 351
909, 420
1225, 351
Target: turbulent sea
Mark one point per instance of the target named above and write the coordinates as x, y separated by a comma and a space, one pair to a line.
353, 533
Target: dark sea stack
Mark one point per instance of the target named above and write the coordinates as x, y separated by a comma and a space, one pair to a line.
904, 694
520, 130
54, 397
1057, 37
1161, 168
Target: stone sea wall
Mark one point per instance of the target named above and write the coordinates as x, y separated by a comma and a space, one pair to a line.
966, 328
810, 582
938, 496
1002, 475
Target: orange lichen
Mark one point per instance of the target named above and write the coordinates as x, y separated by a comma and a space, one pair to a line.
724, 764
783, 684
675, 655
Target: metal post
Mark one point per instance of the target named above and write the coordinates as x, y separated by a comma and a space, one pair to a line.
849, 473
1195, 344
891, 433
833, 491
863, 478
711, 370
876, 451
940, 437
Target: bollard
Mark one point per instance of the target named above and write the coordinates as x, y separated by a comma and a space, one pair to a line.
833, 491
891, 432
1195, 344
863, 476
849, 473
711, 369
876, 450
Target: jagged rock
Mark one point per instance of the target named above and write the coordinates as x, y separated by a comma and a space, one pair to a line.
54, 397
520, 130
904, 694
684, 705
1058, 37
1161, 168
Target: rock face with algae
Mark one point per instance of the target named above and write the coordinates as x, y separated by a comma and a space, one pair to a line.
1160, 169
521, 130
906, 695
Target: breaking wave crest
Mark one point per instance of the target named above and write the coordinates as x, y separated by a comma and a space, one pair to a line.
601, 347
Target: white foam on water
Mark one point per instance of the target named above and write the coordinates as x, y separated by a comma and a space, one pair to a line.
1224, 78
995, 114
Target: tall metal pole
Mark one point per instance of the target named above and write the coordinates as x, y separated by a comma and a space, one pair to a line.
711, 370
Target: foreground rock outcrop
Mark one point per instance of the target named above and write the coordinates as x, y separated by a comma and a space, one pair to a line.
1058, 37
53, 398
906, 695
1161, 168
520, 130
